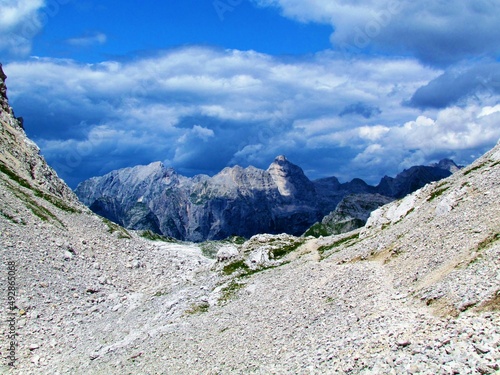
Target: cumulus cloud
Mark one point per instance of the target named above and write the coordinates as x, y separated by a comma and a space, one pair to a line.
437, 32
486, 111
15, 12
20, 21
200, 109
458, 133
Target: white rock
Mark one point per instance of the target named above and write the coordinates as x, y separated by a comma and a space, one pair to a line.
450, 201
67, 255
259, 257
227, 252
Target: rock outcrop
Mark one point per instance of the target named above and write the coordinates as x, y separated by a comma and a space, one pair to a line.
351, 213
447, 164
4, 102
20, 157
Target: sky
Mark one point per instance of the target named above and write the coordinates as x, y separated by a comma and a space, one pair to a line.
359, 88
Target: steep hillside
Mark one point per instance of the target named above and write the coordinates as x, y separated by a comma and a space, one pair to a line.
72, 270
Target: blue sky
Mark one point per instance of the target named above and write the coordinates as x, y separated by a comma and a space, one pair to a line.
352, 89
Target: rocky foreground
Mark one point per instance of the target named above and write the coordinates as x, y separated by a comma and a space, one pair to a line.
416, 291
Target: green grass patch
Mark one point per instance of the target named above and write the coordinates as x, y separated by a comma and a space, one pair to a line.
14, 177
237, 240
470, 170
57, 202
160, 293
244, 270
113, 227
437, 193
38, 212
238, 265
41, 212
230, 291
333, 228
348, 241
488, 241
317, 230
198, 308
10, 218
152, 236
283, 250
209, 248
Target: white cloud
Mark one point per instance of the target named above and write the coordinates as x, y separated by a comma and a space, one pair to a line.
486, 111
204, 108
15, 12
88, 40
434, 31
453, 132
373, 133
20, 21
197, 132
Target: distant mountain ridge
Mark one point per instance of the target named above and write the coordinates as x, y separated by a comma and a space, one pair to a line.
236, 201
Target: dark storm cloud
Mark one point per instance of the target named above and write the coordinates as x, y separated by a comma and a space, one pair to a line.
361, 109
458, 85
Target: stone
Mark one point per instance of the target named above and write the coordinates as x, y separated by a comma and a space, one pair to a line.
481, 349
403, 343
227, 252
67, 255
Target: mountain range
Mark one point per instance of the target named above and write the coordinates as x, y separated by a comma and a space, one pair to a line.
238, 201
414, 291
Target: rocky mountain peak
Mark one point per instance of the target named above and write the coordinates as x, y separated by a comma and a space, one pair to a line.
448, 165
282, 163
290, 179
20, 157
141, 173
4, 103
